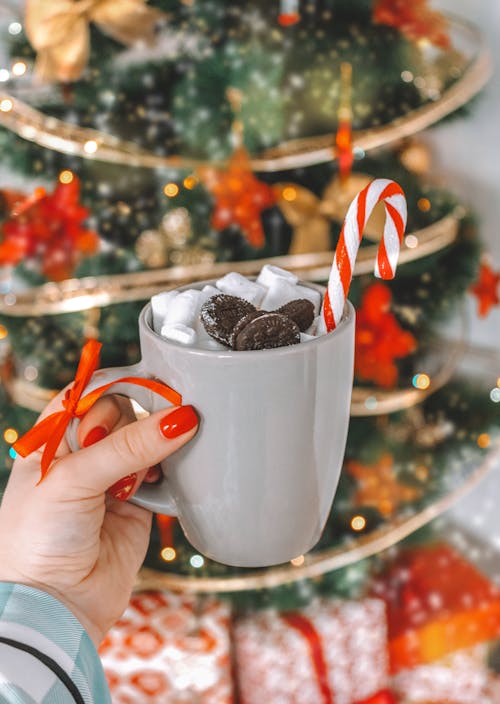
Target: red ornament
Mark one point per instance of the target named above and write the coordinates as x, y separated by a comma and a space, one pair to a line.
345, 154
379, 339
486, 289
48, 227
165, 525
415, 20
239, 197
289, 13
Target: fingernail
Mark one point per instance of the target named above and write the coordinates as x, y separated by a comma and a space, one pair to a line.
178, 422
153, 475
94, 435
122, 489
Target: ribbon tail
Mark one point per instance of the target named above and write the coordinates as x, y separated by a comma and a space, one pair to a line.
52, 444
37, 436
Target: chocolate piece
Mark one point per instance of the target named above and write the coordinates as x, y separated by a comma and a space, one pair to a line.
267, 332
243, 323
301, 311
220, 314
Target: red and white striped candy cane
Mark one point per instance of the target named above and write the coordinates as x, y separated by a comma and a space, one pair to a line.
381, 189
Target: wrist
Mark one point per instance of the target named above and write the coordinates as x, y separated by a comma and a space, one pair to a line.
95, 634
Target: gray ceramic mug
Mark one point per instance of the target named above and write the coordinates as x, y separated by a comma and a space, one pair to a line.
255, 486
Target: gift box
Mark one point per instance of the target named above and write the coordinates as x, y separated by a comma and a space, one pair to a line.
437, 603
169, 649
331, 651
461, 678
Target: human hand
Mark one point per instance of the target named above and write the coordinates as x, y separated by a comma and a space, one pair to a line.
71, 538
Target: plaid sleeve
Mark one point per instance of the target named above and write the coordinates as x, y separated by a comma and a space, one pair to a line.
46, 656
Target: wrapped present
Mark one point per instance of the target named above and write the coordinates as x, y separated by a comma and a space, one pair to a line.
437, 603
331, 651
169, 648
461, 677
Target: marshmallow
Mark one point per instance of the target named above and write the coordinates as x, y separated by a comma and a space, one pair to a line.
159, 306
304, 337
179, 333
235, 284
269, 274
319, 326
280, 292
311, 294
183, 309
207, 292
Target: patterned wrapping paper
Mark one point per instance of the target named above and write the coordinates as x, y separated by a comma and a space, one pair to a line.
460, 678
331, 651
170, 649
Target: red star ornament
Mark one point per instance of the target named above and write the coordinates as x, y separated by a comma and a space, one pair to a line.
379, 486
239, 197
379, 339
48, 228
486, 289
415, 20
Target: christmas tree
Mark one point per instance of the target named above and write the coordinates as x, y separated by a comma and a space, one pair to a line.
175, 141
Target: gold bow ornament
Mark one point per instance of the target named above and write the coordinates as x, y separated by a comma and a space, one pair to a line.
310, 216
59, 31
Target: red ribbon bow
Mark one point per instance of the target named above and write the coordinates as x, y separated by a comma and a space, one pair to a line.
50, 431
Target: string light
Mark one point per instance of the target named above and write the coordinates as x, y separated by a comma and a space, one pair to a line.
3, 332
6, 105
190, 182
168, 554
495, 395
90, 147
424, 204
371, 403
19, 68
15, 28
10, 435
421, 381
4, 75
298, 561
483, 440
289, 193
411, 241
171, 190
66, 176
197, 561
358, 523
30, 373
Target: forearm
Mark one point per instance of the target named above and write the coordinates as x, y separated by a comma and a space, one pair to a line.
45, 653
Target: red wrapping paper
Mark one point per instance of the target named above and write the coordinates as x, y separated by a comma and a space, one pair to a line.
437, 603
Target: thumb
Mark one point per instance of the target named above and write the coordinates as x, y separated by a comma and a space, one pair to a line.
131, 448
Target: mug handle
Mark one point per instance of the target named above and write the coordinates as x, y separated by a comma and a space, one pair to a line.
156, 498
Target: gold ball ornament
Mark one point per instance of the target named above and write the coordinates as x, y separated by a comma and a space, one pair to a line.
151, 250
416, 157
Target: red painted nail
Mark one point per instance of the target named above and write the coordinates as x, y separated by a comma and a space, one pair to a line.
153, 475
94, 435
122, 489
178, 422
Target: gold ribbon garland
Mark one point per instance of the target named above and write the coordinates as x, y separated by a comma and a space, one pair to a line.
60, 33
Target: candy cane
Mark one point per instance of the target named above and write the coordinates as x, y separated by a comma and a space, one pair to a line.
380, 189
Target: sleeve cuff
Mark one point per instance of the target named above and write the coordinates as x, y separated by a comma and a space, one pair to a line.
39, 620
